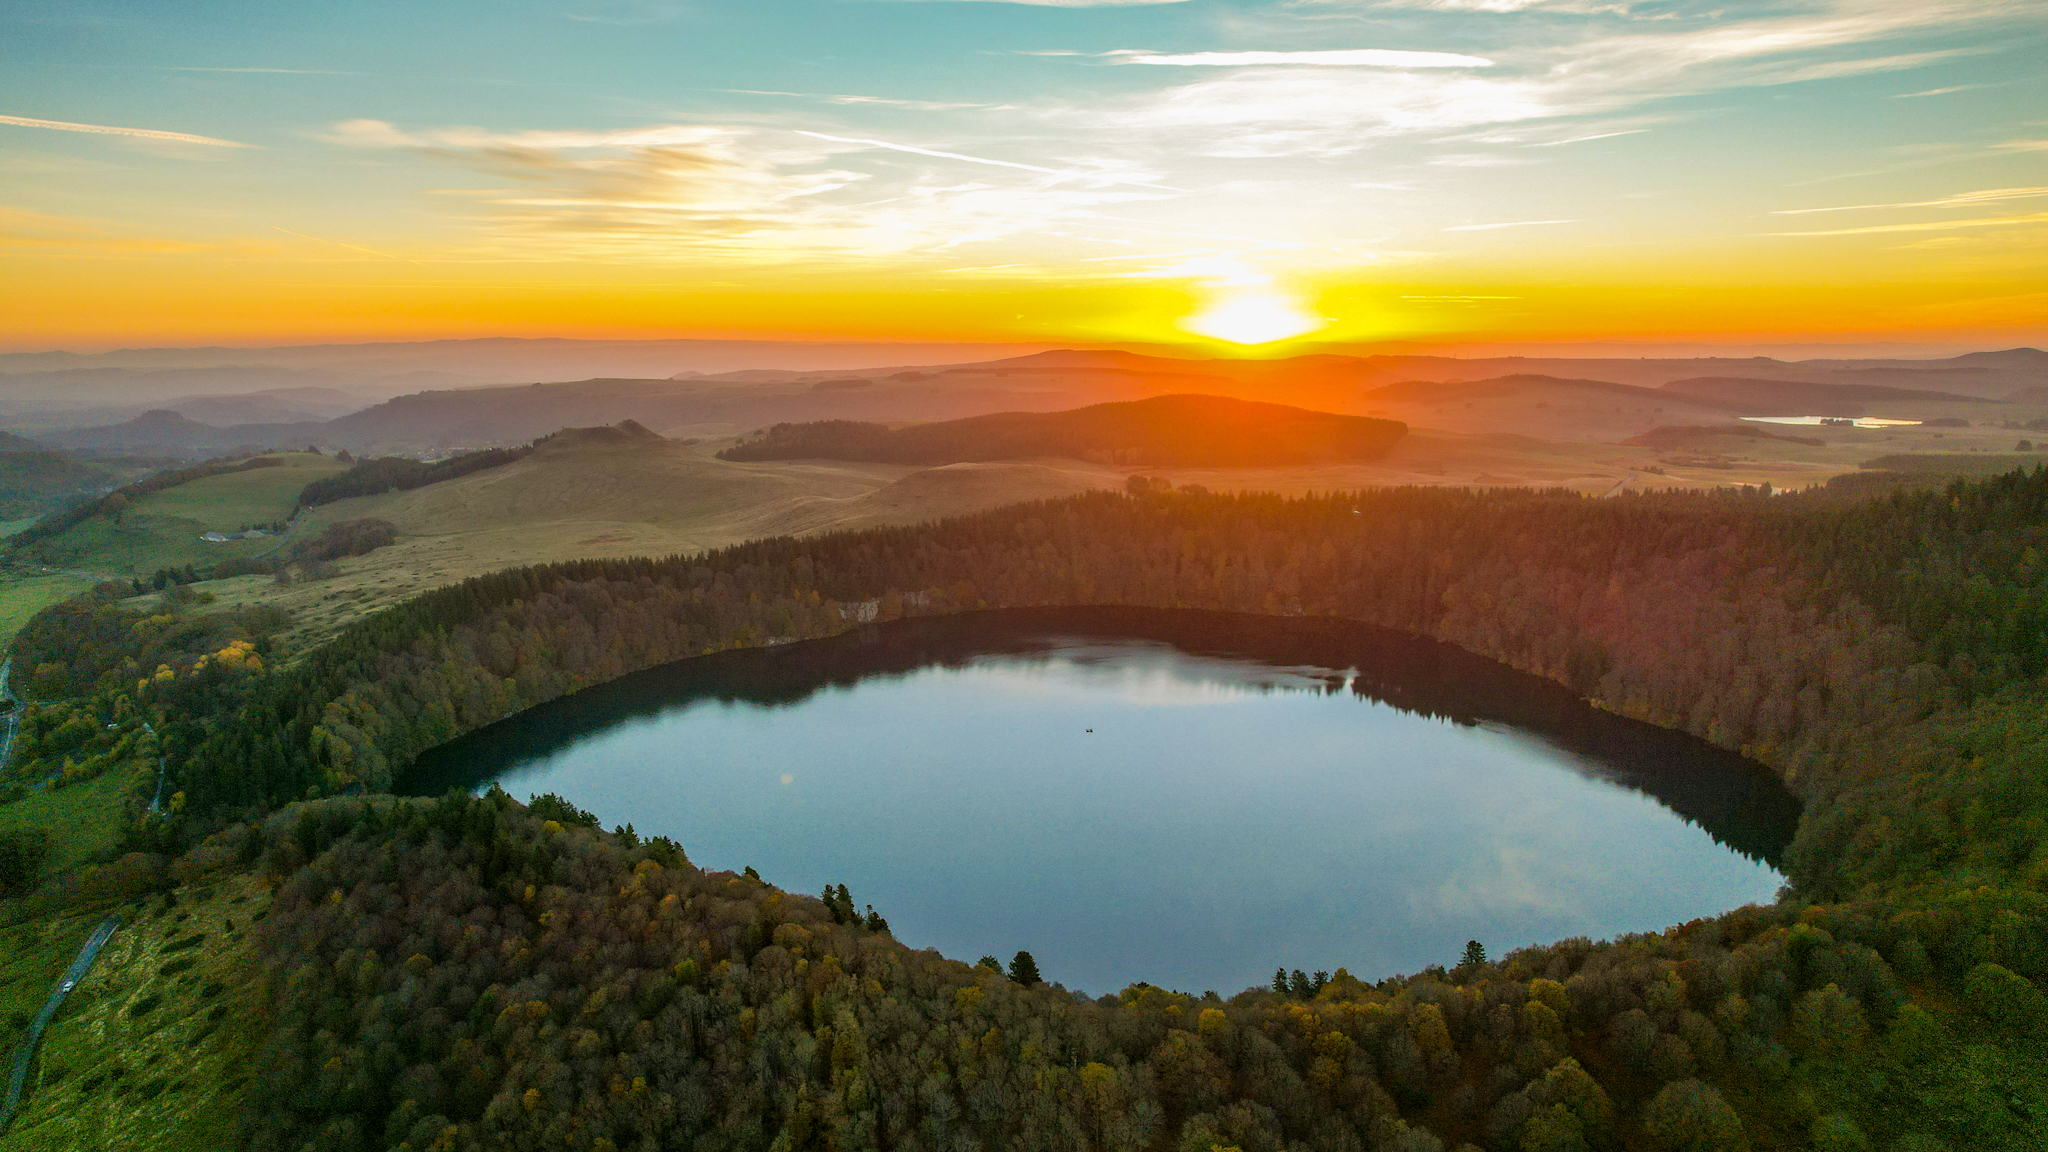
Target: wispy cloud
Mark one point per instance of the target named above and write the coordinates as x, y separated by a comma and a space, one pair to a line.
1323, 58
1094, 177
1504, 224
341, 244
1626, 60
719, 192
1987, 196
111, 130
1588, 136
1938, 91
1929, 226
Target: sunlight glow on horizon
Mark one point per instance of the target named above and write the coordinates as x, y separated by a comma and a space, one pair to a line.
1013, 173
1253, 318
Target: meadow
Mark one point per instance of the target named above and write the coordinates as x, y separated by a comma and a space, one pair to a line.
163, 529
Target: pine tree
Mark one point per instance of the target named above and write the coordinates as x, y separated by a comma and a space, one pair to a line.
1280, 981
1475, 954
1024, 970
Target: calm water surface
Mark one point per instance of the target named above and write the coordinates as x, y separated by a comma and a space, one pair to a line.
1186, 798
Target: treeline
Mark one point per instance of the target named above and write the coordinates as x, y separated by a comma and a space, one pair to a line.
1163, 430
116, 502
464, 974
1819, 638
398, 474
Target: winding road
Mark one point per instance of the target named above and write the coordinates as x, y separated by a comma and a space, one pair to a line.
13, 715
26, 1054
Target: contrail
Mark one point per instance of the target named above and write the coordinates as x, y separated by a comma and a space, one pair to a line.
110, 130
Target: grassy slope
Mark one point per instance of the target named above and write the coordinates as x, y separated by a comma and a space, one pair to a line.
23, 597
162, 529
85, 819
151, 1050
578, 499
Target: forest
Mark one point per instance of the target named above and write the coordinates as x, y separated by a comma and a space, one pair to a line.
1159, 431
465, 973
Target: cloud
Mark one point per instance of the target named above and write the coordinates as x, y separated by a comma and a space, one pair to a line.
110, 130
1987, 196
1939, 91
343, 244
1504, 224
1063, 173
1589, 136
1929, 226
1327, 58
740, 194
1554, 69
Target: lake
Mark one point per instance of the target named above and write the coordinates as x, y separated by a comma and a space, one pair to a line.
1191, 799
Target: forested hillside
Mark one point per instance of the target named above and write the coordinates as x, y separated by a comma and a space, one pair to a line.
463, 974
1160, 431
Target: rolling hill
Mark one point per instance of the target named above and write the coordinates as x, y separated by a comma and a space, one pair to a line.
1184, 430
1755, 397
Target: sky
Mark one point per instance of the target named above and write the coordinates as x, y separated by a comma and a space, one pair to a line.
1216, 173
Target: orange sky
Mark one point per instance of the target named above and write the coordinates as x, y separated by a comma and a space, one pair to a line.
1216, 173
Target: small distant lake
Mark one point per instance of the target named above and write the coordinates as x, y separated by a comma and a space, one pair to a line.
1192, 799
1837, 421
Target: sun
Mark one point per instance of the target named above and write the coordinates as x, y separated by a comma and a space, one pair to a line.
1252, 318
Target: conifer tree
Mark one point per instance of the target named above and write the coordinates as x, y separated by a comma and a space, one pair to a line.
1024, 969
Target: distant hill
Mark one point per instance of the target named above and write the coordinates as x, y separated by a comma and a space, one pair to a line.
1801, 398
9, 442
1692, 436
1164, 430
1583, 399
1516, 385
166, 433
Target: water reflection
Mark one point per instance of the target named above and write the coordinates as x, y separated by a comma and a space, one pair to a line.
1254, 791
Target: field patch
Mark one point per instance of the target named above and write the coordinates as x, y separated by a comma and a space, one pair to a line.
163, 529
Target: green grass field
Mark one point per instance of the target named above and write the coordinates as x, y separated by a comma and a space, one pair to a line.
84, 819
23, 597
162, 530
